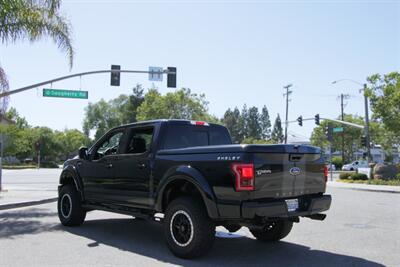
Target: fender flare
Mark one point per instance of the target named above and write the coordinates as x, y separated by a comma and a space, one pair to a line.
70, 171
194, 177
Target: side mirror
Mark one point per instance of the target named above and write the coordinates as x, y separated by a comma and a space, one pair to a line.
83, 153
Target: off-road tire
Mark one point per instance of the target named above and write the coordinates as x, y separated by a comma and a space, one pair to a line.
188, 230
75, 214
273, 231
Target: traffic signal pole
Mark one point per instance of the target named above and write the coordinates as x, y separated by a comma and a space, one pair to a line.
19, 90
334, 120
170, 71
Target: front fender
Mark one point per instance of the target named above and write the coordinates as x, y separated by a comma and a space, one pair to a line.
70, 171
193, 176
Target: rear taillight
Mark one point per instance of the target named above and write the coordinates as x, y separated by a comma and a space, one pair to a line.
326, 172
244, 176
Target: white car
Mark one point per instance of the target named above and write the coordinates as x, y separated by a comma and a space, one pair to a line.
355, 165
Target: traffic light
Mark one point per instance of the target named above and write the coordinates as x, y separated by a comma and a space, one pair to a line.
115, 76
317, 119
363, 141
171, 77
37, 145
300, 120
328, 133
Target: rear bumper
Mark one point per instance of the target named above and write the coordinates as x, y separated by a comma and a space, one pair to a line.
278, 209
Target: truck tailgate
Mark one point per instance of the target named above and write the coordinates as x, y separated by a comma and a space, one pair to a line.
285, 175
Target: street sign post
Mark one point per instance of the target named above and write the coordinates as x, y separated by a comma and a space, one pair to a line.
65, 93
338, 129
155, 74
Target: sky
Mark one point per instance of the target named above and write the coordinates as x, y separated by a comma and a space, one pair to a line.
235, 52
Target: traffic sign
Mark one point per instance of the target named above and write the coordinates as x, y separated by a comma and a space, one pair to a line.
65, 93
155, 74
338, 129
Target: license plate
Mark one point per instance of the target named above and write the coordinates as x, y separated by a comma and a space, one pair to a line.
292, 204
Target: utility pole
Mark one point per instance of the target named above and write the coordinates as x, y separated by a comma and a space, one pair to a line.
287, 94
367, 124
342, 97
366, 128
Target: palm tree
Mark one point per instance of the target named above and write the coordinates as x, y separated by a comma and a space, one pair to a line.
33, 20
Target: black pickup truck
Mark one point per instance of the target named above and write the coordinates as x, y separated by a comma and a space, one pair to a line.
191, 176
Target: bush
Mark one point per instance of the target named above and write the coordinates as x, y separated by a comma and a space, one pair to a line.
345, 175
338, 161
385, 171
359, 176
398, 176
49, 164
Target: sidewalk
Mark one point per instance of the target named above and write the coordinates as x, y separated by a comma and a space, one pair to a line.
28, 187
365, 187
10, 199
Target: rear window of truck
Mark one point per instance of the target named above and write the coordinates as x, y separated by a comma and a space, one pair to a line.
181, 136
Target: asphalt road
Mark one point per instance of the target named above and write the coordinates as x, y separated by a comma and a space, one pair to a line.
362, 229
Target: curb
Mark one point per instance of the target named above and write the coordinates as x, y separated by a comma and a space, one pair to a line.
27, 204
367, 189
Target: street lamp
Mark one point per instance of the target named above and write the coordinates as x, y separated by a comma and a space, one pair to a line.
366, 129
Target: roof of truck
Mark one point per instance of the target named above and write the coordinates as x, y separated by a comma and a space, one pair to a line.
166, 120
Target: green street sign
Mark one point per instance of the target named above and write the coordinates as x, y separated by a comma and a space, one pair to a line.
65, 93
338, 129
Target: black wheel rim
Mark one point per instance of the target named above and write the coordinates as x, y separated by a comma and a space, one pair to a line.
181, 228
66, 206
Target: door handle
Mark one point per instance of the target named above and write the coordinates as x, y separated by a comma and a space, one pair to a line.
141, 165
109, 165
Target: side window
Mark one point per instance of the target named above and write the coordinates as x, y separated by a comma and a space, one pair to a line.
109, 146
139, 141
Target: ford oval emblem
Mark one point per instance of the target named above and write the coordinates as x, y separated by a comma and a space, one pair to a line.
295, 171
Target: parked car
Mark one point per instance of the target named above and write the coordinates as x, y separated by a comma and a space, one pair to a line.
355, 165
193, 174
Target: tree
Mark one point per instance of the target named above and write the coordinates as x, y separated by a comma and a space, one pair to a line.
70, 141
277, 133
245, 119
265, 123
181, 104
20, 122
384, 93
33, 20
234, 121
102, 116
254, 129
129, 111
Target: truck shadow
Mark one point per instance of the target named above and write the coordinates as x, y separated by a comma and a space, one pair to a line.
16, 222
147, 239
